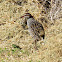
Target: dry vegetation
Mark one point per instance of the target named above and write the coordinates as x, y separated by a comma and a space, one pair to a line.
12, 32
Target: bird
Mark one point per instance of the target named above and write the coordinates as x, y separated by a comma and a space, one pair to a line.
35, 28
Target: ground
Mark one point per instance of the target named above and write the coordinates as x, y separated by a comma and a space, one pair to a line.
12, 33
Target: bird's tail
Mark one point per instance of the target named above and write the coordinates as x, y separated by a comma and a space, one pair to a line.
43, 36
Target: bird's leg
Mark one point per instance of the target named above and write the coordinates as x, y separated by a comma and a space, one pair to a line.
35, 44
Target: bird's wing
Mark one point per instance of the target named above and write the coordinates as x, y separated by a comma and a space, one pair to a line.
37, 28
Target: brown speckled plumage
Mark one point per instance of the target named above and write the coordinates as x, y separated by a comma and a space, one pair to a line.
35, 29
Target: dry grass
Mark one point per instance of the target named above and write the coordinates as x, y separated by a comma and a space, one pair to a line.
56, 10
12, 32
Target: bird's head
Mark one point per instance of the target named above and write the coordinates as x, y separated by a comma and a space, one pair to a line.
27, 15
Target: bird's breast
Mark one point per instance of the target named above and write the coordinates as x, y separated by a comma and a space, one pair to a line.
30, 21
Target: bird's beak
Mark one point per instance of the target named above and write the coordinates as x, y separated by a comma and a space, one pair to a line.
21, 16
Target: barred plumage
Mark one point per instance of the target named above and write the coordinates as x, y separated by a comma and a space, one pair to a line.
35, 29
